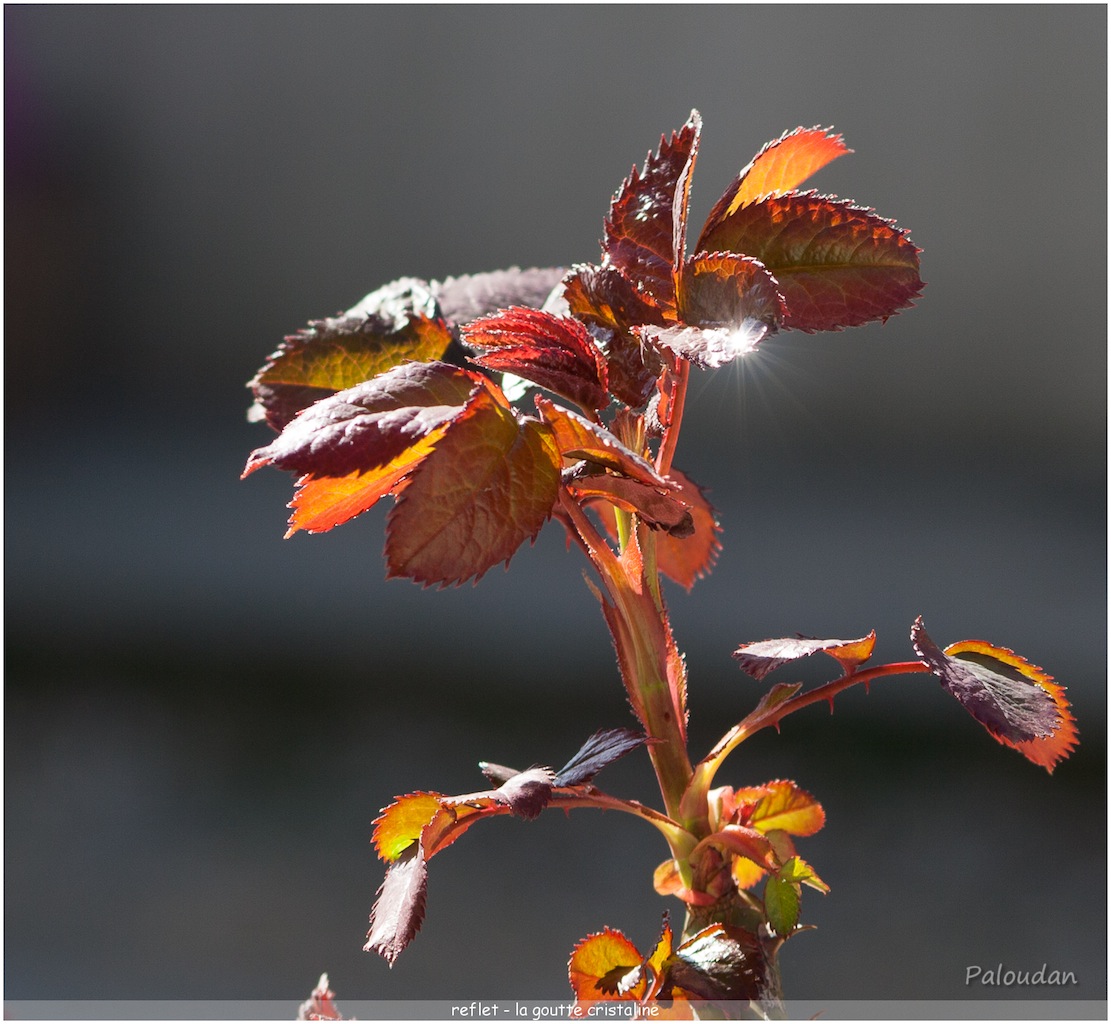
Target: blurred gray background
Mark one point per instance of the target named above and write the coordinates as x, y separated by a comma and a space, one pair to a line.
202, 719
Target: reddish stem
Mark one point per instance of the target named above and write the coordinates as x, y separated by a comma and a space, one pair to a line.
675, 418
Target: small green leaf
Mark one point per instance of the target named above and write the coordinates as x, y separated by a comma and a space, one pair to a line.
799, 871
781, 904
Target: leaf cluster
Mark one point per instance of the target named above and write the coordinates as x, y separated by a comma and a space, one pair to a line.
406, 394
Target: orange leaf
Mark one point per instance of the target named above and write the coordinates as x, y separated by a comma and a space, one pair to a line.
659, 956
1016, 702
785, 806
600, 964
1045, 751
321, 502
400, 824
780, 166
667, 882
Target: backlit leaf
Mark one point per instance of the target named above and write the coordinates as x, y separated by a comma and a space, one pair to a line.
659, 511
785, 806
577, 438
779, 167
1017, 702
371, 424
601, 749
646, 226
727, 306
746, 873
764, 656
659, 956
400, 825
399, 909
604, 297
608, 302
488, 485
837, 265
600, 963
667, 881
742, 842
557, 353
334, 354
320, 503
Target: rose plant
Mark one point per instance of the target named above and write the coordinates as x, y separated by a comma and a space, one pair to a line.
487, 405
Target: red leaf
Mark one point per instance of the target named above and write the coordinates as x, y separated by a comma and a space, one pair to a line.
646, 226
727, 290
659, 510
489, 484
742, 841
780, 166
686, 559
610, 303
399, 908
557, 353
1018, 703
368, 426
837, 265
760, 658
577, 438
604, 297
